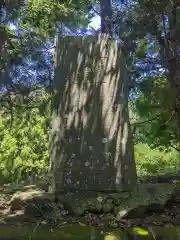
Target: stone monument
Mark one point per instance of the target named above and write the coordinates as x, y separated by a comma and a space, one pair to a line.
91, 143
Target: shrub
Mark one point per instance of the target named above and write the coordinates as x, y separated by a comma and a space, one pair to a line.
153, 161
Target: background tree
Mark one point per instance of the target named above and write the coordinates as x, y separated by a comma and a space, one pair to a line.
147, 26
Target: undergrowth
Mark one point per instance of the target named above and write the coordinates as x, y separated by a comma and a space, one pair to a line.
154, 161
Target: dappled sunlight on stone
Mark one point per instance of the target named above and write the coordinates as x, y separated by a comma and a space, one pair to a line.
91, 94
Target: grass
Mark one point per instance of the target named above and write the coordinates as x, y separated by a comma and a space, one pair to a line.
155, 161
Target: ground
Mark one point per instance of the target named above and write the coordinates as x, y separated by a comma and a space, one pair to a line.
166, 214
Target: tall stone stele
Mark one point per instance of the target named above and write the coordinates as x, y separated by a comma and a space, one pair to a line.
91, 144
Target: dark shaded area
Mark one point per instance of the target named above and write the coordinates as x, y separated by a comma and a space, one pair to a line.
164, 178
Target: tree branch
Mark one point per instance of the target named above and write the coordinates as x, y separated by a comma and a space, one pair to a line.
177, 149
149, 120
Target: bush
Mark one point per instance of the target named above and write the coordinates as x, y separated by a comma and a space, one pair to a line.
23, 147
153, 161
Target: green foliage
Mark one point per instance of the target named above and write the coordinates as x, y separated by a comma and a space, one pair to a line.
24, 146
44, 15
158, 123
153, 161
37, 22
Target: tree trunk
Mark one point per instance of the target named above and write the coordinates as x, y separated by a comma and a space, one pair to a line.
106, 17
171, 43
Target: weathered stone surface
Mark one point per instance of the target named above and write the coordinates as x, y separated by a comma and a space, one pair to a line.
29, 197
109, 207
164, 177
91, 142
11, 189
147, 197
